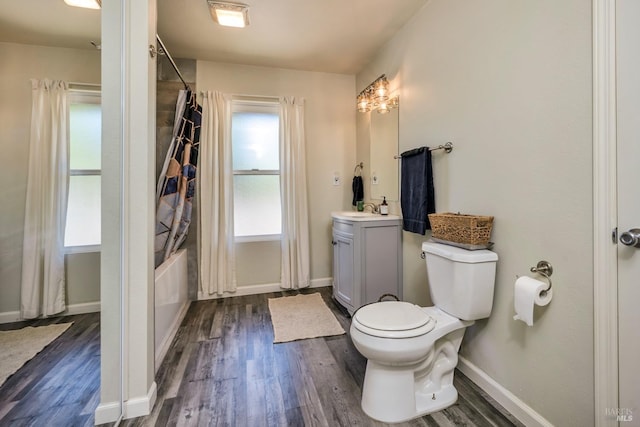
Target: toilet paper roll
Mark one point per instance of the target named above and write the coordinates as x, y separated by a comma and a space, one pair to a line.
529, 291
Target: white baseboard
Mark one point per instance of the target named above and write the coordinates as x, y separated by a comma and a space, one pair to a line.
10, 317
107, 413
140, 406
263, 289
82, 308
523, 412
168, 338
87, 307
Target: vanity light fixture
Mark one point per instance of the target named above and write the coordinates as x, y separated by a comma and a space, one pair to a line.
87, 4
375, 97
229, 14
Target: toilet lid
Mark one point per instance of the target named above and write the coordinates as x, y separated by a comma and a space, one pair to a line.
392, 318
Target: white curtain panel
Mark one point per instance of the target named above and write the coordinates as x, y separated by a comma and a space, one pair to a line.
293, 191
216, 253
43, 275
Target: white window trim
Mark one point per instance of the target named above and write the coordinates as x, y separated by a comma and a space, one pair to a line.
258, 238
87, 249
251, 105
256, 172
84, 96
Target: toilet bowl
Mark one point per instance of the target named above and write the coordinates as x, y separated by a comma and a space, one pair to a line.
412, 351
400, 381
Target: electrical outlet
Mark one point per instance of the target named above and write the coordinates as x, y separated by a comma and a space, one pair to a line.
336, 179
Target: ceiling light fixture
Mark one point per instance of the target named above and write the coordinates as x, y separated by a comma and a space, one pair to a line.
87, 4
375, 97
229, 14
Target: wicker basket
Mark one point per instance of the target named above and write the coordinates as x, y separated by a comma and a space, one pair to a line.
460, 228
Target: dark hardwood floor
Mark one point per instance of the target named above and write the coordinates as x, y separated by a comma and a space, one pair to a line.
222, 369
60, 386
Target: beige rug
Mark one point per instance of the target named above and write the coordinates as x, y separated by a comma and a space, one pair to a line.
302, 316
19, 346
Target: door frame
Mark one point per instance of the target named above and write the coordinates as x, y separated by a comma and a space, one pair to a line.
605, 286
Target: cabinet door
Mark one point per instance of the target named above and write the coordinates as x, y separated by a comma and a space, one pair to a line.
380, 263
343, 269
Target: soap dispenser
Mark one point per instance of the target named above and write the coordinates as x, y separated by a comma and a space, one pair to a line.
384, 206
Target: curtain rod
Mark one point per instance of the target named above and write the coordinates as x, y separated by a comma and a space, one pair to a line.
256, 98
84, 84
173, 64
84, 87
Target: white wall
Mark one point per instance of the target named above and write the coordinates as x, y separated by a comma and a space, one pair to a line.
509, 83
331, 134
19, 63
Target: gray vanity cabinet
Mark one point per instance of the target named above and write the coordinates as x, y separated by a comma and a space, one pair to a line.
367, 259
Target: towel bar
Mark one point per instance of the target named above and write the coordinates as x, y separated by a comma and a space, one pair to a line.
448, 147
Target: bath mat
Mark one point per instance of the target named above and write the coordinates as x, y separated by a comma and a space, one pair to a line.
302, 316
19, 346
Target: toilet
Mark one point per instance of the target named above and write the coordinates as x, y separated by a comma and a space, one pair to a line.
412, 351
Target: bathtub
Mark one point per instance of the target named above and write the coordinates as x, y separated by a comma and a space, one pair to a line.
171, 301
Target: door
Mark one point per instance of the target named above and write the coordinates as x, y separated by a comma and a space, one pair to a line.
628, 130
343, 259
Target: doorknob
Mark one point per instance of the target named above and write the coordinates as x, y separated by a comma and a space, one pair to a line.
631, 238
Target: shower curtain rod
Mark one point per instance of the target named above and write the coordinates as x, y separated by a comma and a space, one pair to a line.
175, 67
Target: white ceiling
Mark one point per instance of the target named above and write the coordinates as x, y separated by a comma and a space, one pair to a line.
338, 36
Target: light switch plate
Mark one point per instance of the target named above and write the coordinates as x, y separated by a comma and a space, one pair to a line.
336, 179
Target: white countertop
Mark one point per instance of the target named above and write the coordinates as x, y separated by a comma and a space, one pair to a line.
362, 216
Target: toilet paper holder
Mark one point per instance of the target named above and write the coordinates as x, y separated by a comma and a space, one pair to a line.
544, 269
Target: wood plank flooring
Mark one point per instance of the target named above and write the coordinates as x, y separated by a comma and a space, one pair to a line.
60, 386
222, 369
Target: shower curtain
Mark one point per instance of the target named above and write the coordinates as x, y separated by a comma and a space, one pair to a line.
176, 185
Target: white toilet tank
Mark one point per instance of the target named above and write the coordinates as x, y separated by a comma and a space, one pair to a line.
461, 281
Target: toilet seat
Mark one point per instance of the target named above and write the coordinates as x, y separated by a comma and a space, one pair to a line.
393, 319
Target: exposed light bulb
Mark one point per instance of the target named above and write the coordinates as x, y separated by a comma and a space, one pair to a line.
376, 97
363, 104
383, 108
382, 90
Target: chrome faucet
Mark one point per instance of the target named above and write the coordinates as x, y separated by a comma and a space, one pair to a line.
374, 208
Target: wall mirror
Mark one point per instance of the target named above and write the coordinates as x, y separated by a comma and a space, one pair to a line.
383, 133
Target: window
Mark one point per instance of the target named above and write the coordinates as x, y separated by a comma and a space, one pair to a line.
82, 231
255, 144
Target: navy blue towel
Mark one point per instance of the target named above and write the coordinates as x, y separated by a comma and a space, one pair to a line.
358, 189
417, 196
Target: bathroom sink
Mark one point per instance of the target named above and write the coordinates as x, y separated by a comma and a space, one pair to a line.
357, 214
362, 216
